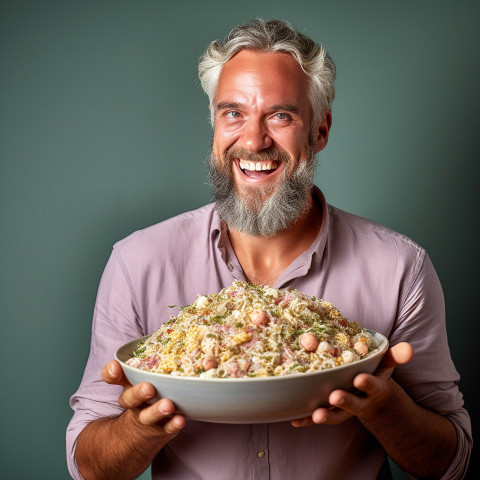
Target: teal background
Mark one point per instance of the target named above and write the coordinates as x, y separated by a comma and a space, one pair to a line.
104, 130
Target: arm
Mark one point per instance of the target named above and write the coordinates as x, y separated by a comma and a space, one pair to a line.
420, 441
109, 423
417, 414
122, 447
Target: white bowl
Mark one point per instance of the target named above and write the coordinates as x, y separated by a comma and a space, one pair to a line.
251, 400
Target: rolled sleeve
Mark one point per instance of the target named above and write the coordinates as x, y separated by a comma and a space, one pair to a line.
115, 322
431, 378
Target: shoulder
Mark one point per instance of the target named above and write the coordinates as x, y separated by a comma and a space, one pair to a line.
371, 240
368, 229
193, 220
175, 233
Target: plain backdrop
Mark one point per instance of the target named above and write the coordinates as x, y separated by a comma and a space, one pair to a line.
104, 130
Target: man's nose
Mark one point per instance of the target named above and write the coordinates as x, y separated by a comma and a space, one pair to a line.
255, 136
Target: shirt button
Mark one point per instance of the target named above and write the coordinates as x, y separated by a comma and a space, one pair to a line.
260, 454
230, 267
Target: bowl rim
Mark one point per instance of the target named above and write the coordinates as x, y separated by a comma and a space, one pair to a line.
384, 345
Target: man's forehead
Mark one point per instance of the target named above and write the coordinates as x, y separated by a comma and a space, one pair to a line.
259, 60
249, 72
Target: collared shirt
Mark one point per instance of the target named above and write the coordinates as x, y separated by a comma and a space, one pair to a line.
374, 276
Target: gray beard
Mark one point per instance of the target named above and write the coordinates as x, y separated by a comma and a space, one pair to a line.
261, 211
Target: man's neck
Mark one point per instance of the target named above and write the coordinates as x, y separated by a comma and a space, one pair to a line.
264, 259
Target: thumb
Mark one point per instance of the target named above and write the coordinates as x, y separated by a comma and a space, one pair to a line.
112, 373
398, 354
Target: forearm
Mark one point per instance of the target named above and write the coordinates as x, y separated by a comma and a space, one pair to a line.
119, 447
421, 442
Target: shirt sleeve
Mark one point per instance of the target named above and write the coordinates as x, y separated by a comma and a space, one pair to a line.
115, 322
431, 378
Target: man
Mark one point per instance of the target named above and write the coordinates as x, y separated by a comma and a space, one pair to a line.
271, 91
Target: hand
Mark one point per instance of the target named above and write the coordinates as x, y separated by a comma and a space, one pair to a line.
375, 391
124, 446
160, 415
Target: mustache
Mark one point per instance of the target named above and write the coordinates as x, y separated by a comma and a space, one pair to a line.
273, 153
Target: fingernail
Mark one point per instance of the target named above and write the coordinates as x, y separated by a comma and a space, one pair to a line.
162, 410
165, 410
146, 390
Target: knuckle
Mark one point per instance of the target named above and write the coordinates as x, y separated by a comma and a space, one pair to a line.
131, 397
124, 399
145, 416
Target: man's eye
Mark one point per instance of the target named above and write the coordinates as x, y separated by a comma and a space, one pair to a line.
282, 116
233, 114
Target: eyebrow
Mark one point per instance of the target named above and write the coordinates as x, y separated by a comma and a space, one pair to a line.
288, 107
224, 105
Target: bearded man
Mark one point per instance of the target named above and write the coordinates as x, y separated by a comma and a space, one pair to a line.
271, 92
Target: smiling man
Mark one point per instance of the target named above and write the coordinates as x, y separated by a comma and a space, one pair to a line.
263, 159
271, 91
262, 137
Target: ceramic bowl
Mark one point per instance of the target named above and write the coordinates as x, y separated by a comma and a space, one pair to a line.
251, 400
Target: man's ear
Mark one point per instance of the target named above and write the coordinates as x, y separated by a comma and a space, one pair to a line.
322, 130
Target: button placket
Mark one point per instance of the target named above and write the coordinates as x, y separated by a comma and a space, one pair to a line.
261, 465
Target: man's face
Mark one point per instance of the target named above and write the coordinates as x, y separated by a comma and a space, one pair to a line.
263, 147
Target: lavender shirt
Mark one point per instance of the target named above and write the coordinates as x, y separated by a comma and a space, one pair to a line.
376, 277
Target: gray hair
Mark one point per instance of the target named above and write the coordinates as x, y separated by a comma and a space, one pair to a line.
273, 36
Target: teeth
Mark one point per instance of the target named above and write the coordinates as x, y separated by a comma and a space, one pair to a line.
257, 166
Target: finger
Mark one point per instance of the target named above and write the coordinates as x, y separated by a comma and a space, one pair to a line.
347, 402
112, 373
161, 411
301, 422
370, 384
330, 416
327, 416
175, 424
157, 412
399, 354
136, 395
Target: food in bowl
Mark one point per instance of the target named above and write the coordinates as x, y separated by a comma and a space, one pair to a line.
251, 400
248, 331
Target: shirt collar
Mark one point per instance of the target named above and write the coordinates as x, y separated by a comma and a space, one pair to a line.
302, 264
318, 245
298, 268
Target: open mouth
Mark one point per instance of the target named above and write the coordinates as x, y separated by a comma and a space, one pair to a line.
258, 169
